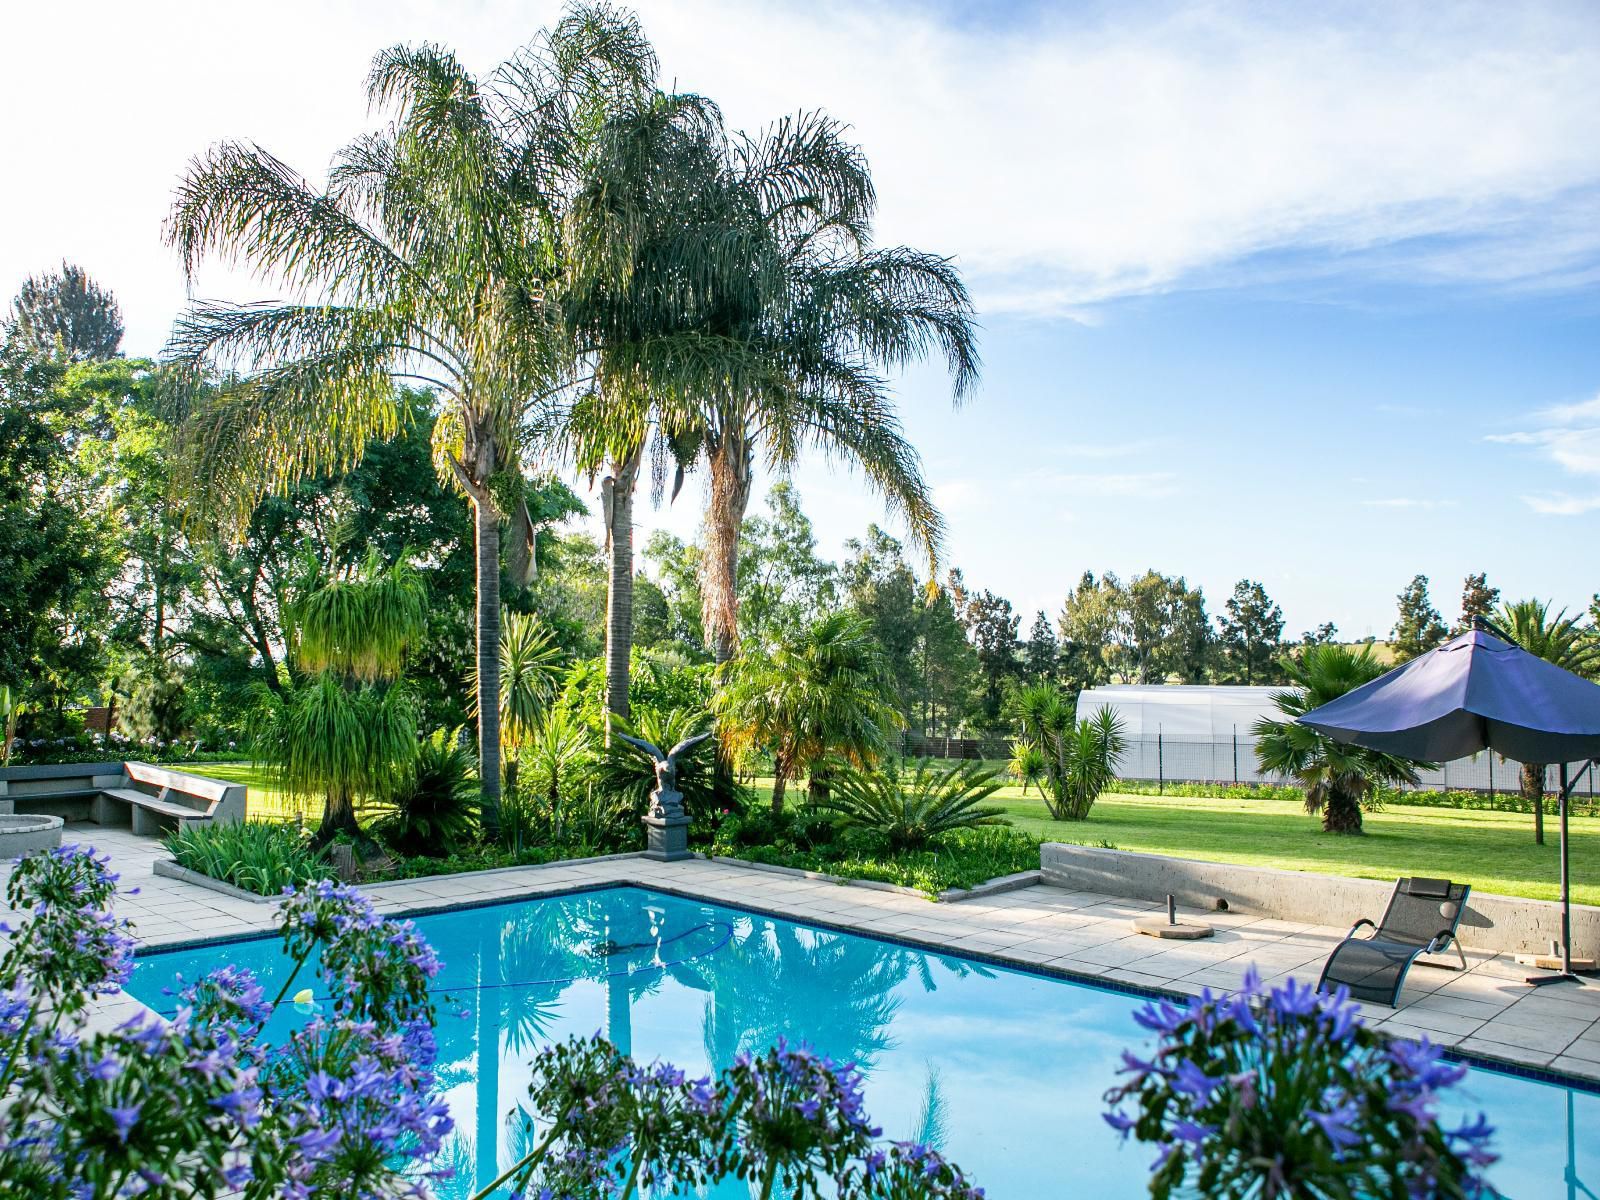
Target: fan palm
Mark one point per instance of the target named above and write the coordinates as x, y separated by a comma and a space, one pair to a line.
830, 312
1565, 641
429, 257
826, 692
1338, 778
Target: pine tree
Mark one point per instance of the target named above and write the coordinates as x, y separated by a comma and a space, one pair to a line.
1251, 631
1419, 627
1478, 599
67, 313
1041, 650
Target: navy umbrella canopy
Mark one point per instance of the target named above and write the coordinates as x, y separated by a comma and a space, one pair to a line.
1475, 692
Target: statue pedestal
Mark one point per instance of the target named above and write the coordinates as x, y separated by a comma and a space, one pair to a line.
667, 838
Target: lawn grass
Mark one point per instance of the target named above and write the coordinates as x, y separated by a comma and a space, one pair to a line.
1493, 851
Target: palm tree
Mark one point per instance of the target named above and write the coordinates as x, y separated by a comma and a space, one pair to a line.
1565, 641
1337, 777
530, 667
650, 243
827, 692
827, 314
427, 258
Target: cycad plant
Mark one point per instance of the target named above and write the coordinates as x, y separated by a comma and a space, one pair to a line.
825, 693
434, 810
430, 257
1569, 642
530, 669
347, 730
911, 806
1079, 758
1338, 779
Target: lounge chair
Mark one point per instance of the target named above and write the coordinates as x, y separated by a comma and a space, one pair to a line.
1421, 919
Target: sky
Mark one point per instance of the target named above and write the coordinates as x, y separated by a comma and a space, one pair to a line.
1308, 295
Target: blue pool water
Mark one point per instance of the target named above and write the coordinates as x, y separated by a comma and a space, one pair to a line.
1003, 1069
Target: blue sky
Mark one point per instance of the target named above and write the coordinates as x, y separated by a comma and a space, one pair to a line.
1302, 295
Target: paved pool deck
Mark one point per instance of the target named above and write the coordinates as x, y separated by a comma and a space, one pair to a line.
1487, 1011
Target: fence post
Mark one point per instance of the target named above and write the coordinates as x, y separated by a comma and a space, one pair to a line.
1161, 765
1491, 777
1235, 754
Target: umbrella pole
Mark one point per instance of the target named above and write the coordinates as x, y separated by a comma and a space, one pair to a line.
1566, 971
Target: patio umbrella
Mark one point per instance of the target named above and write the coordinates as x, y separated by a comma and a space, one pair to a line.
1477, 692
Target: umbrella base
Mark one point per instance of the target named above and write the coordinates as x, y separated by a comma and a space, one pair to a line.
1557, 977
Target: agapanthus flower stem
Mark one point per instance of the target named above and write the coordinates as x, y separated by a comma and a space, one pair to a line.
530, 1159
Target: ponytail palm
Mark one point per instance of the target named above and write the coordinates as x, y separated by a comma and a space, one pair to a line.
427, 258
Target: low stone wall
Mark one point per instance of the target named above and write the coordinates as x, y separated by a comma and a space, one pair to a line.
1506, 924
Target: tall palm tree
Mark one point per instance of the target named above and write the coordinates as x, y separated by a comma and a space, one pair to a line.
826, 692
829, 314
1566, 641
1337, 778
651, 247
428, 257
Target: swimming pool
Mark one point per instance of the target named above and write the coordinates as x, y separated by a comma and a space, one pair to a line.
1003, 1069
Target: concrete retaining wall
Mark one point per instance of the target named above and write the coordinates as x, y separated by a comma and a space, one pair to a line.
1506, 924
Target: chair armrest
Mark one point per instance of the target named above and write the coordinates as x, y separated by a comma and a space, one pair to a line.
1367, 921
1440, 940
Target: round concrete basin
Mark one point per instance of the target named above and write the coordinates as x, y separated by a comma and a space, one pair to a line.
28, 834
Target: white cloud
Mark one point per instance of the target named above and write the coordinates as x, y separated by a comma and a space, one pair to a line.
1559, 504
1066, 157
1568, 434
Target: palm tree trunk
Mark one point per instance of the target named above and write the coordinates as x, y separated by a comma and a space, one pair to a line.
1533, 793
732, 476
488, 650
779, 784
618, 491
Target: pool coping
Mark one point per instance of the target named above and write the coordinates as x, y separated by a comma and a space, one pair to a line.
931, 944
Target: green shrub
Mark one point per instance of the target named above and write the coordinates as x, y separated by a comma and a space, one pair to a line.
626, 773
435, 811
259, 856
962, 858
909, 808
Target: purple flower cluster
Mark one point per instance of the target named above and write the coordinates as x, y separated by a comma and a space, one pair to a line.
787, 1122
200, 1106
1283, 1092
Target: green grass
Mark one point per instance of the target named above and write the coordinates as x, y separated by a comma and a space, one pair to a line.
265, 802
960, 859
1493, 851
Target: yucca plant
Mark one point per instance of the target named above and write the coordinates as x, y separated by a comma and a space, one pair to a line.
263, 857
435, 810
530, 668
909, 807
1080, 757
1085, 764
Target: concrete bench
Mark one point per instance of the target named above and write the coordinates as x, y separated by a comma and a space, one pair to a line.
149, 800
